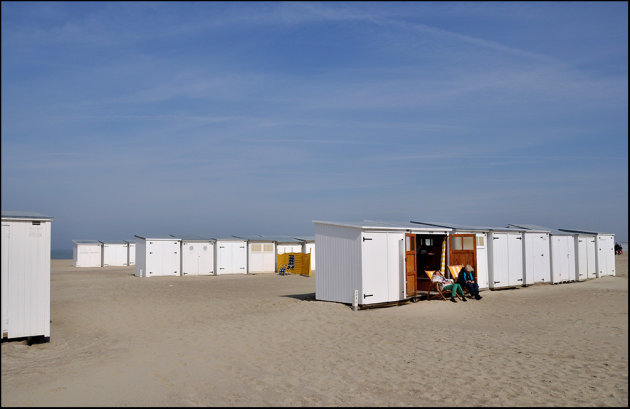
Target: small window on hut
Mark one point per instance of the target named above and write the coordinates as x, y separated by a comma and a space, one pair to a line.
481, 241
457, 243
468, 243
256, 248
268, 248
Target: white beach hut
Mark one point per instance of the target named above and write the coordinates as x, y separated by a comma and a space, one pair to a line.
505, 257
561, 251
308, 247
536, 254
261, 253
87, 253
378, 260
131, 252
287, 244
231, 256
466, 245
25, 282
115, 253
157, 255
604, 251
197, 255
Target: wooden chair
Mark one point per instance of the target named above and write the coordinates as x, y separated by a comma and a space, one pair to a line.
435, 286
454, 270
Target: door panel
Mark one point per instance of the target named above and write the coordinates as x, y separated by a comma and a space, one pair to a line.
5, 278
410, 264
463, 250
375, 273
515, 259
500, 266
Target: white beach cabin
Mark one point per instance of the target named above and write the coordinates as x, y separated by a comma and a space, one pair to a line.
131, 252
561, 251
287, 244
505, 257
377, 260
197, 255
466, 245
536, 254
604, 251
115, 253
157, 255
308, 247
261, 253
231, 256
25, 282
87, 253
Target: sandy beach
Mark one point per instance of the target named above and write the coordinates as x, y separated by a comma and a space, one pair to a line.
262, 340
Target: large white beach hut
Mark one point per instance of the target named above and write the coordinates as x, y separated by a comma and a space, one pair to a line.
604, 251
466, 245
87, 253
25, 275
115, 253
231, 256
378, 260
308, 247
261, 253
157, 255
561, 251
197, 255
131, 252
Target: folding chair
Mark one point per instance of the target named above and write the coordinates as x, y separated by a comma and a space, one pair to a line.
436, 286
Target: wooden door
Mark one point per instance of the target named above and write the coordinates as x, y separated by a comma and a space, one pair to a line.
463, 250
410, 264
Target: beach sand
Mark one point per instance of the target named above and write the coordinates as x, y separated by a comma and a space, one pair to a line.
261, 340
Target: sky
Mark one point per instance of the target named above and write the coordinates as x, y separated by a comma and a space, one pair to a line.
212, 118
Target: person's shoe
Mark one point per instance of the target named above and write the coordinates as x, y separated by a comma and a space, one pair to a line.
477, 297
453, 300
464, 299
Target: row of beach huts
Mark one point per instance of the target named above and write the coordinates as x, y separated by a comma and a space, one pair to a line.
372, 262
182, 255
360, 263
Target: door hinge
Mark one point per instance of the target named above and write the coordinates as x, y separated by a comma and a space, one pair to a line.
367, 295
366, 238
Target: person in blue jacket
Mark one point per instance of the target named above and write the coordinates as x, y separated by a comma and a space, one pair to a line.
466, 279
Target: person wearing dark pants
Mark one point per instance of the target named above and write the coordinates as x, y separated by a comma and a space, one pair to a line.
466, 279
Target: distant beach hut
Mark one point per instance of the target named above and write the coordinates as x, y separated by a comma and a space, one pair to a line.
562, 252
261, 253
378, 261
115, 253
197, 255
308, 247
25, 282
87, 253
536, 254
287, 244
605, 251
131, 252
231, 255
157, 255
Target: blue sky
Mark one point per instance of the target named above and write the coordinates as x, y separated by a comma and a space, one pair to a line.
123, 118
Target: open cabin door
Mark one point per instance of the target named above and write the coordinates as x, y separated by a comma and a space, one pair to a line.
463, 250
410, 264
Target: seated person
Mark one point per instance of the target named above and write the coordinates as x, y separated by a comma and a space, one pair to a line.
466, 279
448, 284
